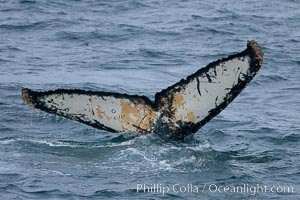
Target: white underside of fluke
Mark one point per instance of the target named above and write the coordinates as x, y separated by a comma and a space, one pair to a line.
120, 114
208, 91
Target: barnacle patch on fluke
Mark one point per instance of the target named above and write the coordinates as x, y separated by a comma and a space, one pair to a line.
26, 97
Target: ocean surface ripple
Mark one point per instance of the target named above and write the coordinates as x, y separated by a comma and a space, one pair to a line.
141, 47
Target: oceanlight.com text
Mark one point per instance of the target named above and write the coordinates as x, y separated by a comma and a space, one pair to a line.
213, 188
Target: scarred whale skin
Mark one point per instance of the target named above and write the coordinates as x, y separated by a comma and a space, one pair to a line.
178, 111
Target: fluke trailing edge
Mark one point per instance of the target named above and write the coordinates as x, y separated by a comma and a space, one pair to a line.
177, 111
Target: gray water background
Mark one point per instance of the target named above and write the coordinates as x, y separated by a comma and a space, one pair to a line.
141, 47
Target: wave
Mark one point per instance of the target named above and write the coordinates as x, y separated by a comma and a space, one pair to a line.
288, 139
87, 36
274, 78
24, 27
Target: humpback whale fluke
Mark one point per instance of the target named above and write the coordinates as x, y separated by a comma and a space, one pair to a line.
177, 111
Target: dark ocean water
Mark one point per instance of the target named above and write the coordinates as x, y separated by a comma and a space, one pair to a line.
141, 47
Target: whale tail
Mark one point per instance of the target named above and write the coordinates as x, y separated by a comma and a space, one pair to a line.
177, 111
